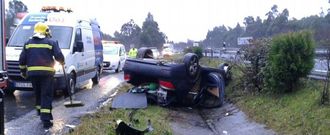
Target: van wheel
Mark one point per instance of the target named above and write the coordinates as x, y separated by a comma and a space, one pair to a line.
97, 77
118, 68
72, 84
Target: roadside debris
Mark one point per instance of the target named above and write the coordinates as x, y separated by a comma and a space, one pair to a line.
125, 129
130, 100
70, 127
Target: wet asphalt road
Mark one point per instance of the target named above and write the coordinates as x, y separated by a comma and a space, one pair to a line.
226, 120
22, 119
22, 102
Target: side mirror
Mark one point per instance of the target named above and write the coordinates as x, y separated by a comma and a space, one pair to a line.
80, 46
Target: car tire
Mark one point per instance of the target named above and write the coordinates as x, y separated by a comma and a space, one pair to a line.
142, 53
118, 68
191, 63
208, 100
96, 78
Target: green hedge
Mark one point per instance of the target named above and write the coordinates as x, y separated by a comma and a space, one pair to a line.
197, 50
291, 57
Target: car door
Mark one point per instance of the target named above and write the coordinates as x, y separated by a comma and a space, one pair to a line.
122, 56
78, 55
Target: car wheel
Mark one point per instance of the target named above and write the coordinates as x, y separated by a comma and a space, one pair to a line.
96, 78
144, 52
117, 70
209, 100
192, 66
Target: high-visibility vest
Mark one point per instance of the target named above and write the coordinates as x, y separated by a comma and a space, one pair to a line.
132, 53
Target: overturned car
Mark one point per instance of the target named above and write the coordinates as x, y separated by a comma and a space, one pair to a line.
185, 82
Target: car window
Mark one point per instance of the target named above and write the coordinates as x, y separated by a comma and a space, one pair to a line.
110, 50
122, 51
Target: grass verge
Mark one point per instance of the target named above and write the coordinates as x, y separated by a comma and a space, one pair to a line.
295, 113
103, 121
299, 112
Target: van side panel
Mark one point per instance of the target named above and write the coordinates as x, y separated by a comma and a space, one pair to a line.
83, 64
98, 47
88, 55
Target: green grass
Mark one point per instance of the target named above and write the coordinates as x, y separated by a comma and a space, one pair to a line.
298, 113
103, 121
295, 113
211, 62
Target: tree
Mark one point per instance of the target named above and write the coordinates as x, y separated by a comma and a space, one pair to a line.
151, 36
271, 15
216, 37
248, 20
106, 36
129, 34
291, 57
275, 24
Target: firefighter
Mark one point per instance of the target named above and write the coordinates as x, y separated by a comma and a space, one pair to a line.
132, 52
36, 63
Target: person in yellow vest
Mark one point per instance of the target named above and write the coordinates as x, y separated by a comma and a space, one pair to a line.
132, 52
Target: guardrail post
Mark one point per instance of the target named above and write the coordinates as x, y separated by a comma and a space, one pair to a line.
211, 53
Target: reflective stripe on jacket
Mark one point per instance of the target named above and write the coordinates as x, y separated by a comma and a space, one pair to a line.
37, 56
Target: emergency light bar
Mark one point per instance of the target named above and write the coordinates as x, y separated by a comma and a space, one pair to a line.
55, 9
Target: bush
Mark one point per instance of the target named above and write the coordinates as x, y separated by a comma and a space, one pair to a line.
256, 54
197, 50
291, 57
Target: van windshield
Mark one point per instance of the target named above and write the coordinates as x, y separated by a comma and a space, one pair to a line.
110, 50
62, 34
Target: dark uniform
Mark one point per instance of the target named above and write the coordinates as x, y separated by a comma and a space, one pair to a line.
37, 62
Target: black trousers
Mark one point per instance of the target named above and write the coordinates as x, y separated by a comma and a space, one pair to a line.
43, 87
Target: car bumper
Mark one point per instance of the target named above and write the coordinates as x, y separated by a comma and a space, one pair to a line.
109, 66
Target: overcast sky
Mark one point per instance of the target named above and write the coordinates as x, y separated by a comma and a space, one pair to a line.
181, 19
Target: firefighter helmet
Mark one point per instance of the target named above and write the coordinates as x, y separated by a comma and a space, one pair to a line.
41, 30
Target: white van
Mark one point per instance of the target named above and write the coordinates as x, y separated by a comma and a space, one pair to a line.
114, 55
80, 43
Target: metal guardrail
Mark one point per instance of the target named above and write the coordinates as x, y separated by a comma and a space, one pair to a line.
314, 74
318, 75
